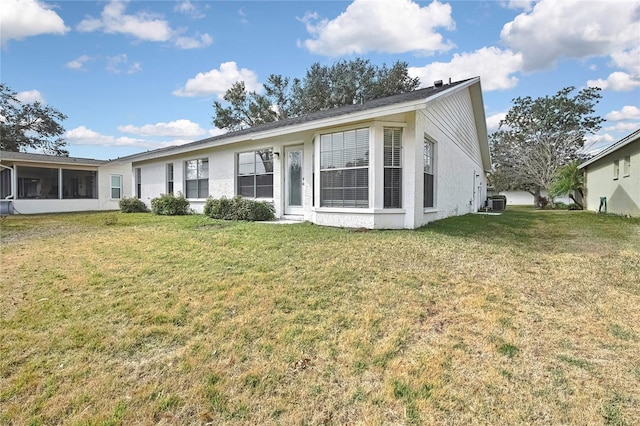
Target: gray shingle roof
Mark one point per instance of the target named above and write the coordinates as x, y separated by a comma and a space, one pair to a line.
43, 158
420, 94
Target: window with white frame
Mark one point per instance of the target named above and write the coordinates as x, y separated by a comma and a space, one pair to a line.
254, 178
170, 178
616, 169
392, 168
138, 178
197, 178
344, 169
626, 170
116, 186
429, 167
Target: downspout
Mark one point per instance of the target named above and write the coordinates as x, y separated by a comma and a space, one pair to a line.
12, 195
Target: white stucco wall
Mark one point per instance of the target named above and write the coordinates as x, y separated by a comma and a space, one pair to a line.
460, 181
119, 168
623, 193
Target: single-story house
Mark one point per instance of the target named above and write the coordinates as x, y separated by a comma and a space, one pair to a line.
612, 178
38, 183
396, 162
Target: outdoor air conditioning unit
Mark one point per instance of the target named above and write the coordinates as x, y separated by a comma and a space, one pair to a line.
496, 203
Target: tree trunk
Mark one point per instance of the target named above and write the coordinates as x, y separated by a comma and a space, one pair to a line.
536, 198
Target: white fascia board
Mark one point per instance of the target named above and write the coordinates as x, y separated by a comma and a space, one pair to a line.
50, 163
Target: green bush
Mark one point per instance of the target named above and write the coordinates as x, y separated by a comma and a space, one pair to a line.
239, 208
132, 205
559, 205
574, 206
170, 205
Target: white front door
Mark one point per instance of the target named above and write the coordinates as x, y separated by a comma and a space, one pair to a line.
293, 180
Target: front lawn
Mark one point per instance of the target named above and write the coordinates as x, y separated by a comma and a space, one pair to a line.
530, 317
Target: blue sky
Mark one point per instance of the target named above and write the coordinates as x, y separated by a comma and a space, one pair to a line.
138, 75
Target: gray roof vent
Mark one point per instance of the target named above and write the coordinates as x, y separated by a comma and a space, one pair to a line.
437, 83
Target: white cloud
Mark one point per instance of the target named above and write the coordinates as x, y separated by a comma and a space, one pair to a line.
573, 29
494, 66
31, 96
85, 136
144, 26
189, 9
383, 26
218, 81
216, 132
595, 143
525, 5
243, 16
628, 112
617, 81
78, 63
202, 40
623, 127
628, 60
493, 121
178, 128
119, 64
25, 18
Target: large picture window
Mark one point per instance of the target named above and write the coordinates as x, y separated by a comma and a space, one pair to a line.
255, 174
344, 169
197, 178
429, 166
392, 168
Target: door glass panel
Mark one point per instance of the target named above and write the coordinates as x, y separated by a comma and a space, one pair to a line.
295, 178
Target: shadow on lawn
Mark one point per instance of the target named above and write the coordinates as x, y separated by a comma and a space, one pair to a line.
512, 225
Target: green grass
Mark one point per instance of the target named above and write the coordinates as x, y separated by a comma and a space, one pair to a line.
525, 318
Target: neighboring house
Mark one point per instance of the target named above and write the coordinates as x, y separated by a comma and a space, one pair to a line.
613, 176
38, 183
524, 198
395, 162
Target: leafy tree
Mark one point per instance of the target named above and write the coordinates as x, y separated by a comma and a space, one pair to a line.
246, 109
323, 87
31, 125
568, 180
538, 136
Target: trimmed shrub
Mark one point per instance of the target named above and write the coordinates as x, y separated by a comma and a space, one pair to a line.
574, 206
132, 205
239, 208
170, 205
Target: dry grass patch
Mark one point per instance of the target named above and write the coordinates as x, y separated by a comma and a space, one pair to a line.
528, 317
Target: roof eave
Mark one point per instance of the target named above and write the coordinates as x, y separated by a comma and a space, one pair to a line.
612, 148
355, 116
